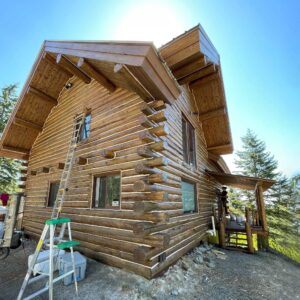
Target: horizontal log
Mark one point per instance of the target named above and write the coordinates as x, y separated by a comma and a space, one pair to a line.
146, 206
146, 152
157, 162
157, 105
158, 146
159, 117
158, 178
147, 137
145, 122
162, 130
146, 109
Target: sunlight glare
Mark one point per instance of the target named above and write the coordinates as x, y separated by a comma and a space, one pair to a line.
150, 21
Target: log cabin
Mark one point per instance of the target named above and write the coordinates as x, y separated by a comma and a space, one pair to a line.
149, 156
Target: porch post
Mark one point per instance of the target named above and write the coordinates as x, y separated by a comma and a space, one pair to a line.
262, 240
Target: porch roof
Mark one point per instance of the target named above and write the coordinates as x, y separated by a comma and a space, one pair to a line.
240, 181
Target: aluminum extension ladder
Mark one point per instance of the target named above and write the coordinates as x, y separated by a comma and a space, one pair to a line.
53, 243
50, 225
63, 185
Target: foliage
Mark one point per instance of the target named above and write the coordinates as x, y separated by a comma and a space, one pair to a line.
8, 168
282, 199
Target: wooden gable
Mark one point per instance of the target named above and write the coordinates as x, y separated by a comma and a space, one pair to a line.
133, 66
194, 61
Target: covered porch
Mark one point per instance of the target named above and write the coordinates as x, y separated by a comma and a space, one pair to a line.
237, 233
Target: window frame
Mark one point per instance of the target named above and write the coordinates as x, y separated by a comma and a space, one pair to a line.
196, 210
49, 192
93, 198
188, 140
80, 139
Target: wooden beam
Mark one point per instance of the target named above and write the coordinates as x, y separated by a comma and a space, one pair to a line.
218, 147
190, 68
45, 170
133, 82
211, 114
158, 105
93, 73
81, 161
22, 123
206, 71
67, 64
52, 60
60, 166
15, 149
109, 154
13, 155
35, 92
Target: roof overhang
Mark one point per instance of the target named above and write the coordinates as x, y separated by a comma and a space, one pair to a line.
240, 181
194, 61
130, 65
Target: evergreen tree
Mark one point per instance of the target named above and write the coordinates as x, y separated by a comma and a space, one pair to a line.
8, 167
281, 199
254, 160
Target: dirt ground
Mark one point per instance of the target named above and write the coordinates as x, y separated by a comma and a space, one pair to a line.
205, 273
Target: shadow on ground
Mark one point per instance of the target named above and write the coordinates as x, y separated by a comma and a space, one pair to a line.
205, 273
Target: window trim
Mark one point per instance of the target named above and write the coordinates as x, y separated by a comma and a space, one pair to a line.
186, 136
196, 210
92, 202
49, 191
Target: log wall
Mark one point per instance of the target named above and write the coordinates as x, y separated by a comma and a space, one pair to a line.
143, 142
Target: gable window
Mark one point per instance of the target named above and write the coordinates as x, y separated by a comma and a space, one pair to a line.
53, 190
107, 191
188, 140
189, 196
86, 127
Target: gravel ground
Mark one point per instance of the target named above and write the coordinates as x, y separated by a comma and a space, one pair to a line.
205, 273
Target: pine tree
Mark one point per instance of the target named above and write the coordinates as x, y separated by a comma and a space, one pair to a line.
8, 167
281, 199
254, 160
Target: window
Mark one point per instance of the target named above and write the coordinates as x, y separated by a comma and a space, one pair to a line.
86, 127
189, 196
107, 191
188, 139
54, 186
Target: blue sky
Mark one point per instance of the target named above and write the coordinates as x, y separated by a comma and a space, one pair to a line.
259, 44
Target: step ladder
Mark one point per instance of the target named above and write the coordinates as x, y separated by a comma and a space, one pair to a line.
63, 185
53, 243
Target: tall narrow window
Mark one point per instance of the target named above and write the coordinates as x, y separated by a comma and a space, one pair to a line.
188, 140
86, 127
107, 191
54, 186
189, 196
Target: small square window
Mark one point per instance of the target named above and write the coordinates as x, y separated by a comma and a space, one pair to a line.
189, 196
107, 191
53, 190
188, 141
86, 127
